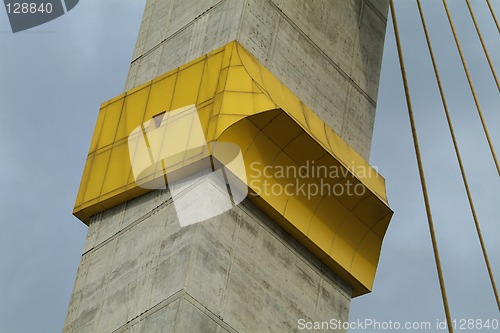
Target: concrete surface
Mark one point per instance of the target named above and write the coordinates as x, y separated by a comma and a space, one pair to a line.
237, 272
328, 52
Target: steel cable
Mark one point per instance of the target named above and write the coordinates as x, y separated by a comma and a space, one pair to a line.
457, 153
471, 85
421, 172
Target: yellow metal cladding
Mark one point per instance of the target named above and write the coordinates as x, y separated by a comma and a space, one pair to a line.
240, 101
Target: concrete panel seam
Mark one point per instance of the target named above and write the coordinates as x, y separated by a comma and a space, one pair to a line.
219, 320
181, 294
107, 276
353, 66
242, 14
323, 54
192, 257
177, 32
316, 306
148, 21
155, 308
270, 52
375, 10
230, 269
130, 226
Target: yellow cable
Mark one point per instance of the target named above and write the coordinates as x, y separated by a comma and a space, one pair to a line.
493, 14
482, 43
478, 107
421, 172
457, 152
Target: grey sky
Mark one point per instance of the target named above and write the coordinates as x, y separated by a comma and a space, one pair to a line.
54, 77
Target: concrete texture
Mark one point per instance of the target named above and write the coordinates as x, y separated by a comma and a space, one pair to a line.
328, 52
237, 272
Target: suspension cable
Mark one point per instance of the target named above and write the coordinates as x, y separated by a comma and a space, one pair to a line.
421, 172
457, 152
476, 100
482, 43
493, 14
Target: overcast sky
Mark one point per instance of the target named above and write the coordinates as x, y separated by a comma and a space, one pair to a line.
54, 77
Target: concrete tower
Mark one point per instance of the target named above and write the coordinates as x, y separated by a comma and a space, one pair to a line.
271, 97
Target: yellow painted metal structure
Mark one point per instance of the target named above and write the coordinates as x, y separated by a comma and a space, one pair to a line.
240, 101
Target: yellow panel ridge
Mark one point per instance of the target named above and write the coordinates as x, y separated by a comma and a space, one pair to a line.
298, 170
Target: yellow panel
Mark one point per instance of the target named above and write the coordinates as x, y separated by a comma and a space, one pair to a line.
330, 212
225, 121
381, 227
299, 212
210, 78
276, 90
212, 128
371, 210
260, 178
160, 97
187, 86
251, 64
338, 147
373, 181
347, 240
221, 84
298, 115
238, 80
265, 118
273, 86
228, 53
286, 225
111, 118
365, 261
262, 150
235, 59
98, 129
281, 95
266, 170
98, 171
355, 191
243, 134
204, 114
316, 126
133, 112
139, 155
302, 204
238, 103
328, 170
241, 102
282, 130
194, 62
256, 88
85, 177
175, 137
321, 234
262, 102
304, 149
118, 169
265, 187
